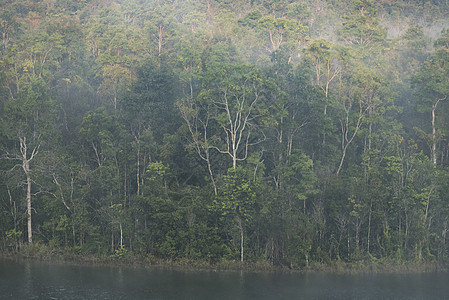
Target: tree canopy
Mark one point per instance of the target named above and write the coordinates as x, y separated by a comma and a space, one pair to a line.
288, 132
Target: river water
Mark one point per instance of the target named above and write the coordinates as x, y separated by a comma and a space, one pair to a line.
39, 280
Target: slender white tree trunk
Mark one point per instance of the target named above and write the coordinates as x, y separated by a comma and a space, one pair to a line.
26, 158
30, 232
240, 225
434, 132
434, 136
121, 236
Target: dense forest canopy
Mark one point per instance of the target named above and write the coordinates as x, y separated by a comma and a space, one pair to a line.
288, 132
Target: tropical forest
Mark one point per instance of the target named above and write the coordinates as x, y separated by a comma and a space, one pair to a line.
280, 133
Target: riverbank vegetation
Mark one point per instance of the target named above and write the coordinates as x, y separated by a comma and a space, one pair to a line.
288, 134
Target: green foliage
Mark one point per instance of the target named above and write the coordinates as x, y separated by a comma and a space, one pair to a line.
12, 237
237, 195
443, 40
122, 253
431, 81
274, 132
362, 27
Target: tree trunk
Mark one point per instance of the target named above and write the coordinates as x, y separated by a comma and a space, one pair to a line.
74, 235
349, 245
434, 139
26, 169
30, 232
240, 226
369, 227
112, 239
345, 141
209, 168
434, 132
138, 165
121, 236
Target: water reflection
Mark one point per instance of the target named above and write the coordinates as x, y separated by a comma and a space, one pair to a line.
27, 277
34, 280
120, 277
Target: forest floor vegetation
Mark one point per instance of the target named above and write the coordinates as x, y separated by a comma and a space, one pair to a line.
43, 253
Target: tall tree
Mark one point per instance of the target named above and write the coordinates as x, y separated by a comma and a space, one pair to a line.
28, 119
240, 97
358, 97
432, 86
361, 26
237, 201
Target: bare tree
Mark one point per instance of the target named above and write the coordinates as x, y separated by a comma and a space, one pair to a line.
236, 100
197, 120
27, 153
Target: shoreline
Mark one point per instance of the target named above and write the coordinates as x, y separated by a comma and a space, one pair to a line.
336, 267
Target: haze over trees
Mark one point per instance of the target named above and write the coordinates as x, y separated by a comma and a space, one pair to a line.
288, 132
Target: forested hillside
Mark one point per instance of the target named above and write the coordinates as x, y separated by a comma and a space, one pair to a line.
278, 131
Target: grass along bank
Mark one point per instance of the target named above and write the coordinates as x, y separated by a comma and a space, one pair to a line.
40, 252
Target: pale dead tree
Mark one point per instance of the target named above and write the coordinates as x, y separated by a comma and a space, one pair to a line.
434, 130
113, 214
26, 158
160, 36
61, 193
281, 30
27, 153
327, 65
237, 110
137, 138
342, 222
99, 157
197, 121
65, 189
142, 136
429, 196
236, 128
347, 133
64, 183
358, 100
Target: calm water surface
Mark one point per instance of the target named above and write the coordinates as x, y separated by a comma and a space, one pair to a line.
35, 280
